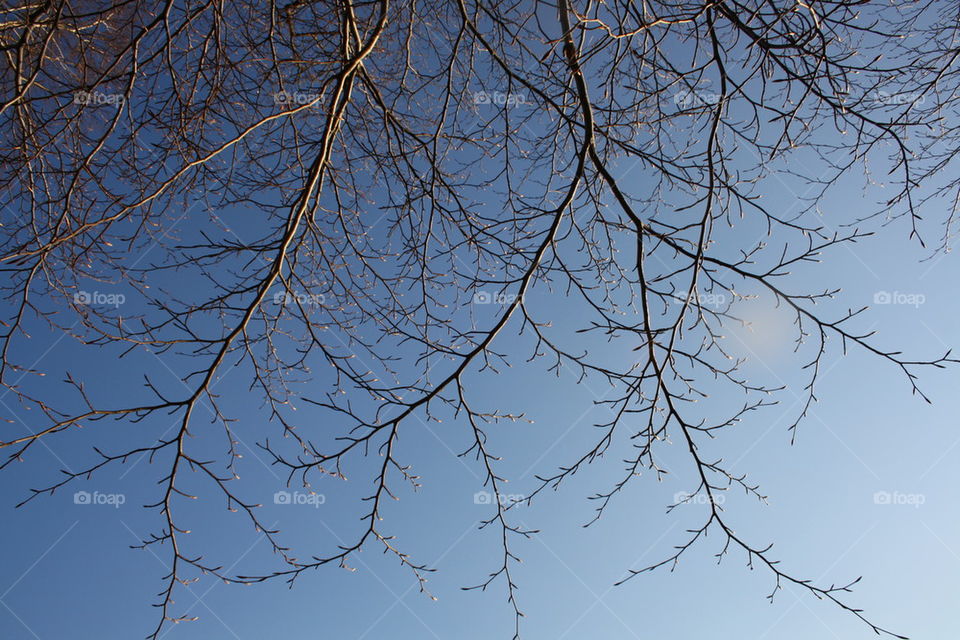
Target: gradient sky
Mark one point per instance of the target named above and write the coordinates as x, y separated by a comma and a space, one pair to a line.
866, 490
68, 571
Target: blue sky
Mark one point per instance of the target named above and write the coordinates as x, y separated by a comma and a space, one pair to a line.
866, 490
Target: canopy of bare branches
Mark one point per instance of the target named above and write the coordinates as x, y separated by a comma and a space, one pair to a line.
317, 195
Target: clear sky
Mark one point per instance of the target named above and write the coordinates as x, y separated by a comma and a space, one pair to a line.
868, 488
